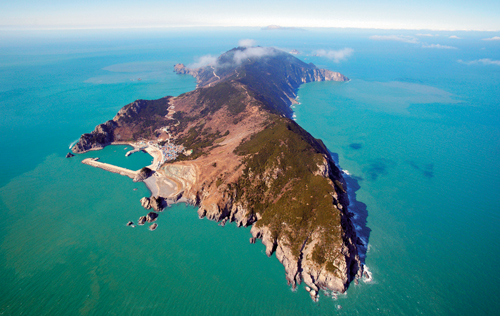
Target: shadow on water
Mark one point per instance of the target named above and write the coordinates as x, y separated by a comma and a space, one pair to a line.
359, 211
378, 167
426, 169
356, 146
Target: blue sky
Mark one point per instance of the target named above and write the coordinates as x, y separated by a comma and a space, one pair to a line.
384, 14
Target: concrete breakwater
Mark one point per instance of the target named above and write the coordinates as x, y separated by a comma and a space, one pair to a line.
111, 168
157, 184
130, 152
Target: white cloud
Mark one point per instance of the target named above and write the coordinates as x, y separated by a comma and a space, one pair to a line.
426, 35
252, 52
204, 61
247, 42
439, 46
484, 61
455, 37
494, 38
397, 38
335, 55
239, 57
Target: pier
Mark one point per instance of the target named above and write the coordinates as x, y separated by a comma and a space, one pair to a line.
111, 168
130, 152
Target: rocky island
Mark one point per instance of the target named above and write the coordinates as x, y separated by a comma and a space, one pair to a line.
231, 148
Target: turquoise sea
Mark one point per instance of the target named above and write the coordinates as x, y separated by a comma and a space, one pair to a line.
417, 128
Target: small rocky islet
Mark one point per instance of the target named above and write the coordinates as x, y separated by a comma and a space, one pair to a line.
141, 220
153, 227
157, 204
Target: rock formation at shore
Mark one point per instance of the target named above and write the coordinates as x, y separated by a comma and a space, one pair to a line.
156, 203
146, 203
100, 137
143, 174
180, 69
250, 163
151, 217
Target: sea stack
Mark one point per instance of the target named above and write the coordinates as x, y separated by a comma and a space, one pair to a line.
143, 174
151, 217
156, 203
146, 203
141, 220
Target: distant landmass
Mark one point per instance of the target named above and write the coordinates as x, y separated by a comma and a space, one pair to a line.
231, 148
282, 28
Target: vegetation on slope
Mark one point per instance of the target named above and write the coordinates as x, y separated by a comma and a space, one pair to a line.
144, 117
198, 139
279, 182
214, 98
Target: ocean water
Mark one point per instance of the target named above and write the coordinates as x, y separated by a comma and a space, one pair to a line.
417, 128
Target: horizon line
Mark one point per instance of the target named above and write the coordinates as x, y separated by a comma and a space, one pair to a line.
281, 28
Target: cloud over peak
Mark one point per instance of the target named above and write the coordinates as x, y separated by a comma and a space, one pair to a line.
252, 52
247, 42
207, 60
238, 57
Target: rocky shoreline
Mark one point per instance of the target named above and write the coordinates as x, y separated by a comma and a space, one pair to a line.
298, 269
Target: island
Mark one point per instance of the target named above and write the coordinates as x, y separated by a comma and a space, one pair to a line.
231, 148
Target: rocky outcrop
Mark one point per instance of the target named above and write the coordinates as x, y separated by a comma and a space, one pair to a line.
227, 212
146, 203
137, 120
153, 227
157, 203
143, 174
69, 155
131, 110
304, 268
317, 74
313, 293
180, 69
264, 234
151, 217
141, 220
100, 137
